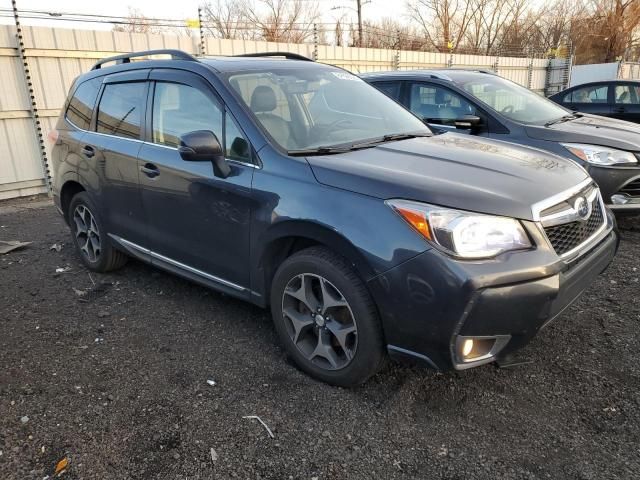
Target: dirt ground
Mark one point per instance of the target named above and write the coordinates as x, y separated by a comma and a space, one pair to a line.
111, 371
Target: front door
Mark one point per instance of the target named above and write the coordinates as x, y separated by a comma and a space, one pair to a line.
196, 221
593, 99
440, 107
626, 104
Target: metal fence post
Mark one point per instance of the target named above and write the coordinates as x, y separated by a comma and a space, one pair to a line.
396, 56
315, 43
547, 81
203, 47
496, 63
530, 73
566, 68
450, 61
32, 99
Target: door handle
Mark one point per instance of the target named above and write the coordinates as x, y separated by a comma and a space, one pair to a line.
150, 170
619, 109
88, 151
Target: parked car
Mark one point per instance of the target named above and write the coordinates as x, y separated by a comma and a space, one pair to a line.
617, 99
485, 105
297, 186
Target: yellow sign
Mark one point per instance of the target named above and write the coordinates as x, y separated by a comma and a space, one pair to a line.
450, 45
195, 23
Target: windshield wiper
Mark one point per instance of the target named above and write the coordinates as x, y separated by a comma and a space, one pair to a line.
563, 119
331, 150
390, 138
319, 151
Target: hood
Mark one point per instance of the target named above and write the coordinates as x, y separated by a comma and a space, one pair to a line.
591, 129
452, 170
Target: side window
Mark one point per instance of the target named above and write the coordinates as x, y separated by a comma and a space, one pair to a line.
627, 94
120, 109
592, 94
390, 89
438, 105
179, 109
82, 103
236, 145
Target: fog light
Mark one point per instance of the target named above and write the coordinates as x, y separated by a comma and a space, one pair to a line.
467, 347
619, 199
478, 350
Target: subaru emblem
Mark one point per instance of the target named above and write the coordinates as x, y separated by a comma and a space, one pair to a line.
582, 208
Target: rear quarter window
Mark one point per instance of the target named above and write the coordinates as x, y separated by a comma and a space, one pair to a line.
81, 104
390, 89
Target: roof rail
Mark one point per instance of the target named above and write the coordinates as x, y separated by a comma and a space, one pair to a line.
287, 55
126, 57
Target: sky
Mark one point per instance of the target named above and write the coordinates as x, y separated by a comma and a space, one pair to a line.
374, 10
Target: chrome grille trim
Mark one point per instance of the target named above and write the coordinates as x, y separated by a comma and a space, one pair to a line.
566, 215
539, 207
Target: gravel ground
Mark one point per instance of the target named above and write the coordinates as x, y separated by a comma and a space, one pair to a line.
115, 380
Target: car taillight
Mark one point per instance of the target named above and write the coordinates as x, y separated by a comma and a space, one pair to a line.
52, 136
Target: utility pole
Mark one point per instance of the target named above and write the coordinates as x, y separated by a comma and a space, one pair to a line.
358, 10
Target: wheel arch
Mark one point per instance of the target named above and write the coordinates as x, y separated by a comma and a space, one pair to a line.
289, 237
68, 190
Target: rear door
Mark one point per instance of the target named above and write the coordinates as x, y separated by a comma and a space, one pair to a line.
77, 121
593, 99
111, 147
626, 102
197, 222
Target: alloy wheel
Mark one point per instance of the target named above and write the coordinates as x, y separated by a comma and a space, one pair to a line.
87, 233
319, 321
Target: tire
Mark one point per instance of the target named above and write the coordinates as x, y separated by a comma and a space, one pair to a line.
345, 320
90, 238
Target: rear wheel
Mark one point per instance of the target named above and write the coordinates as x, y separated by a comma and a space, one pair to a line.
326, 318
89, 237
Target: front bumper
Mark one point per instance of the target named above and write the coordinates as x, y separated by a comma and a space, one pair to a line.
611, 181
432, 301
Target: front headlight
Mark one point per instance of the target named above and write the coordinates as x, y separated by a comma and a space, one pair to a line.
598, 155
463, 234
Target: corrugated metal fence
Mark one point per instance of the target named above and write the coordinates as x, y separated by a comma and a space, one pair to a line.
56, 56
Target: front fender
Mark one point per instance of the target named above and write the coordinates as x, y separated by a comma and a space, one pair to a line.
359, 227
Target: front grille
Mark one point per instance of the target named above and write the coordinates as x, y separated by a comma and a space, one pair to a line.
632, 188
568, 236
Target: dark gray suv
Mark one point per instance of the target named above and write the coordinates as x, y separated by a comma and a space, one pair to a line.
483, 104
297, 186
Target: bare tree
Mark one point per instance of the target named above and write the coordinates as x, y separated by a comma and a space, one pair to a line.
443, 22
283, 20
388, 33
136, 22
488, 23
227, 19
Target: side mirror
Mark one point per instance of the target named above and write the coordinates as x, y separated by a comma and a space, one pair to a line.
468, 122
239, 148
203, 146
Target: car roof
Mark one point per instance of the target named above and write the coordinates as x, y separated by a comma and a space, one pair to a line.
226, 64
182, 60
447, 74
600, 82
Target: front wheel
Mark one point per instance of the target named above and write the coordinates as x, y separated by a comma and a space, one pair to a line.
326, 318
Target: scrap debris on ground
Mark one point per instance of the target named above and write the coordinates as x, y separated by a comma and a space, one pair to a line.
112, 380
11, 245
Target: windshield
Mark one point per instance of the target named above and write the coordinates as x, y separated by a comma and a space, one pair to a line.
306, 108
513, 101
